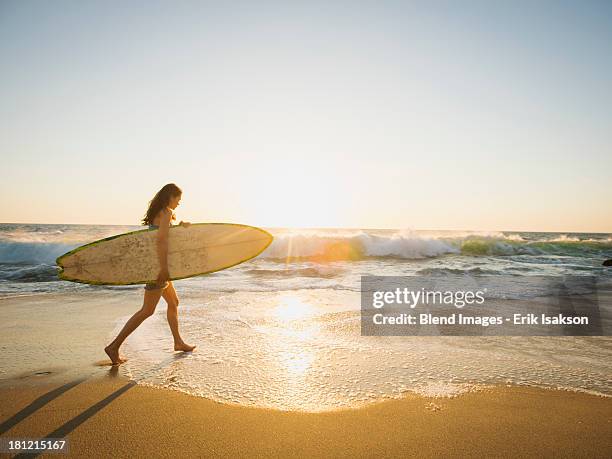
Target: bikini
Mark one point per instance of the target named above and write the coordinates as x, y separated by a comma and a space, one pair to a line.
153, 285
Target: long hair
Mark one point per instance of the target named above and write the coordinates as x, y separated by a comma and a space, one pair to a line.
160, 201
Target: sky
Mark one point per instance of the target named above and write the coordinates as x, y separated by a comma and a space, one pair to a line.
426, 115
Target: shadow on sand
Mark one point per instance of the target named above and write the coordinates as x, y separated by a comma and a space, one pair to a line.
73, 423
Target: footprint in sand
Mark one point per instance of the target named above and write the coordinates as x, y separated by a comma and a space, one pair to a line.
433, 407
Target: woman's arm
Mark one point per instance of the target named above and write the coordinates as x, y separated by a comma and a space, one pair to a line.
162, 246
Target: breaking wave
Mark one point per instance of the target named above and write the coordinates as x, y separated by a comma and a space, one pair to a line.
358, 246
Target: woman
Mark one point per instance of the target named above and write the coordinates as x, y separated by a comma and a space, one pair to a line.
159, 215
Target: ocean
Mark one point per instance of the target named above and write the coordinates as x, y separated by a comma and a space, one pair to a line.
283, 330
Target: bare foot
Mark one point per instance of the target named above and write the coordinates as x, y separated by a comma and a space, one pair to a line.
114, 355
183, 347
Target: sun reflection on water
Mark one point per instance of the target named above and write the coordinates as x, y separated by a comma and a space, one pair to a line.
295, 334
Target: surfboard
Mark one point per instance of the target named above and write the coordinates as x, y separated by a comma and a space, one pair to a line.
131, 258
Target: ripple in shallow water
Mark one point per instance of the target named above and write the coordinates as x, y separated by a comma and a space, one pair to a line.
302, 350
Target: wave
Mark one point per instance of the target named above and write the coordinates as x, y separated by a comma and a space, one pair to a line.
32, 252
28, 273
453, 271
320, 247
355, 247
290, 273
359, 246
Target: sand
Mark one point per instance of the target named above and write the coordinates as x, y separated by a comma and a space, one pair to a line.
112, 417
103, 414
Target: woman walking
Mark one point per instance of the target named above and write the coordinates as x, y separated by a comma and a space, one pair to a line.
159, 215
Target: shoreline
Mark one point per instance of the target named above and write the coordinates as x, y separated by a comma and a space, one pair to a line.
51, 377
111, 414
70, 333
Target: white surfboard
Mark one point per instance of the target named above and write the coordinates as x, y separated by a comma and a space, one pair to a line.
131, 258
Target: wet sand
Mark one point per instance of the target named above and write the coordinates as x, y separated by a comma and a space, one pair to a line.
111, 417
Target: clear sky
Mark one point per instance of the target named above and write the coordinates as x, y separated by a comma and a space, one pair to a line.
493, 115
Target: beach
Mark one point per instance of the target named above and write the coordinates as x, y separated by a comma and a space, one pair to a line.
65, 388
110, 416
281, 366
301, 229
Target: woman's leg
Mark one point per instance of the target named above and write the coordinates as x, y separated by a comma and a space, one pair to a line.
171, 298
151, 298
